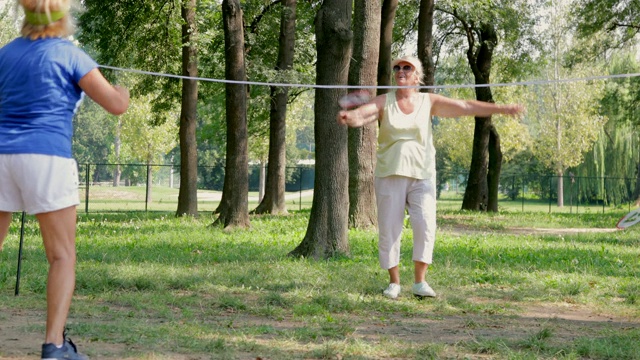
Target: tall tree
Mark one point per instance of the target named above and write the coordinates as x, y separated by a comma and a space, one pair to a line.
603, 27
567, 125
93, 133
621, 105
188, 193
388, 14
328, 223
482, 24
117, 145
363, 140
274, 200
486, 161
147, 135
615, 157
567, 117
154, 36
234, 205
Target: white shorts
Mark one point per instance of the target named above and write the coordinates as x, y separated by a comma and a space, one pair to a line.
37, 183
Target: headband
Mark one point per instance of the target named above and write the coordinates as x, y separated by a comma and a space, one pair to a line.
39, 18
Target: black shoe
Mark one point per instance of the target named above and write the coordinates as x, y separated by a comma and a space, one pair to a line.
68, 351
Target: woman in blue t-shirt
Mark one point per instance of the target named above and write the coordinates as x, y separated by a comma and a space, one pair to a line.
42, 79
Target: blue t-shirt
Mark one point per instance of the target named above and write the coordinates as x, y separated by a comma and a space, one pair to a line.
39, 94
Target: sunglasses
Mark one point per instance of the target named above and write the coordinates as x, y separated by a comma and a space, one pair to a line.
405, 68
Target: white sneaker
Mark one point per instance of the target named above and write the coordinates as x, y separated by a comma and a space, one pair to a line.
392, 291
423, 289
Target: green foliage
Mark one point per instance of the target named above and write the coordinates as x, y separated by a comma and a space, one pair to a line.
615, 152
564, 122
454, 137
8, 23
603, 25
143, 35
262, 21
405, 27
94, 131
563, 117
133, 33
147, 35
147, 136
516, 56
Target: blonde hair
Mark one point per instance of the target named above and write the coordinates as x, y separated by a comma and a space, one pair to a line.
61, 28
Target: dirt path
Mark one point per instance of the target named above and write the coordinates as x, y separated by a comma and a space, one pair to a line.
568, 322
466, 230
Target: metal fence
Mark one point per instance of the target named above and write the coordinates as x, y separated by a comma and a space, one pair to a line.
538, 192
141, 187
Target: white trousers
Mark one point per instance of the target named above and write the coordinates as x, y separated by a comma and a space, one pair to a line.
394, 194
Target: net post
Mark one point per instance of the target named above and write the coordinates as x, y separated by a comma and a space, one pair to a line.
17, 292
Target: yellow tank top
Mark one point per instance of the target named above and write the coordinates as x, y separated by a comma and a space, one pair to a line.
405, 141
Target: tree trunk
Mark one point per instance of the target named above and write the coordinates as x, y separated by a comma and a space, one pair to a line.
262, 180
328, 223
425, 54
234, 206
117, 173
274, 199
560, 188
425, 42
559, 147
388, 15
117, 143
495, 165
363, 140
149, 182
188, 193
476, 195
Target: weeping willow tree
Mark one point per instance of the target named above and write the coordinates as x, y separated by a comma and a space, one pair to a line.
611, 169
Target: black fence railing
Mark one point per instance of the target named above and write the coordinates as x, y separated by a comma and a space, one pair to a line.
153, 187
536, 192
127, 187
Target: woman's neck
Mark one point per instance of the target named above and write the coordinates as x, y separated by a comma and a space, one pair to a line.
405, 93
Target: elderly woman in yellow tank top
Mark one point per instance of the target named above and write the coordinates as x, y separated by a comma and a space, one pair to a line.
405, 174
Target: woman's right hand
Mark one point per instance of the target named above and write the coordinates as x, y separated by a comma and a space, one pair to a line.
114, 99
343, 117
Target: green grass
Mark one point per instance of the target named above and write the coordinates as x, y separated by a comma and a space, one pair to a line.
132, 198
151, 286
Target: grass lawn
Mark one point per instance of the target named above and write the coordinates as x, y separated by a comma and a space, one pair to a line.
132, 198
512, 285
